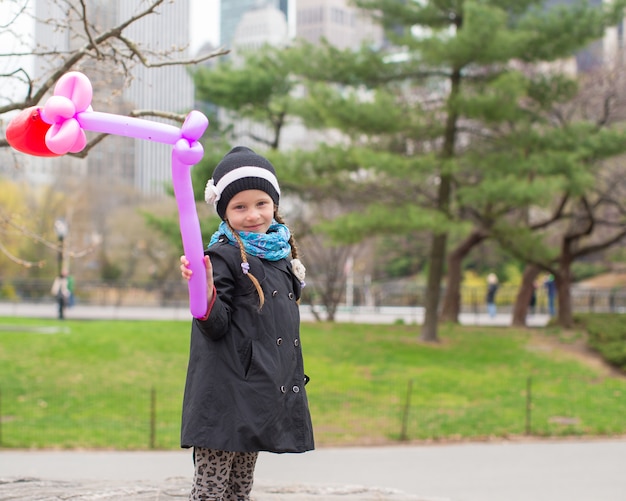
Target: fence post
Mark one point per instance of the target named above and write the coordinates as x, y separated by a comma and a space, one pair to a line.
405, 415
152, 417
529, 405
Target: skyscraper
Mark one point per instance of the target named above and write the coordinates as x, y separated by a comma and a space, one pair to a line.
167, 88
233, 10
336, 20
343, 25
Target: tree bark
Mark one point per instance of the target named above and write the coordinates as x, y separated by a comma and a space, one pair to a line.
452, 297
433, 286
440, 240
563, 281
525, 292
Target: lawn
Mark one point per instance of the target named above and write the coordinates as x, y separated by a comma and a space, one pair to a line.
118, 384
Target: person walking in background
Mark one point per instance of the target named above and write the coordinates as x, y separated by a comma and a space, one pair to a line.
245, 387
532, 303
71, 300
550, 286
492, 288
61, 292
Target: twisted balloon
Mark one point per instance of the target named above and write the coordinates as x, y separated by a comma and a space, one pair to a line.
59, 127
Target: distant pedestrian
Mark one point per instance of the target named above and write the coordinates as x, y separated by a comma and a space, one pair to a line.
533, 298
550, 286
61, 292
492, 288
70, 287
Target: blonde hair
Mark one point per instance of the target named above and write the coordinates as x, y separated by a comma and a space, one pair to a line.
244, 255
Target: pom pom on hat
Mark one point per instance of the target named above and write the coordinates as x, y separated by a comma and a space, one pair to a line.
240, 169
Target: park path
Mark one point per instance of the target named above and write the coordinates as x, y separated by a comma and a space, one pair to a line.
368, 315
533, 470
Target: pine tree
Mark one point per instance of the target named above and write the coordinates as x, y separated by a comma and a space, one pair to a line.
446, 120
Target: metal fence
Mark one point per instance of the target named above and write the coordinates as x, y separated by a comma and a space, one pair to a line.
382, 413
174, 293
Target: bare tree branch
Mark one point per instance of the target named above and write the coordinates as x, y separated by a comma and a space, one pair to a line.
21, 262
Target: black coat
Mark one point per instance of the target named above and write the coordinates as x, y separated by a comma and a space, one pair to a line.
245, 379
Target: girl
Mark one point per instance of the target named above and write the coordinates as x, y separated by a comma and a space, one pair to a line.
245, 380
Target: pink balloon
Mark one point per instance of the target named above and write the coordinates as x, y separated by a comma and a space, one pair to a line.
77, 88
190, 229
69, 112
80, 143
57, 109
62, 136
194, 126
129, 127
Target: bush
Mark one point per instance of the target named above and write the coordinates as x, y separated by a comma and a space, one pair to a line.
7, 291
607, 335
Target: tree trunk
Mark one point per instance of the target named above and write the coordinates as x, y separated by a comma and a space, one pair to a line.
563, 281
435, 274
440, 240
452, 297
524, 294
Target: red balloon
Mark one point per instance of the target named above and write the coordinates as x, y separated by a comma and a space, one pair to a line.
27, 133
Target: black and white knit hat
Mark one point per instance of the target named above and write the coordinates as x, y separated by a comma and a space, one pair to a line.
240, 169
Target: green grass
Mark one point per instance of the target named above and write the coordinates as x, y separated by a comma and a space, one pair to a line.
89, 384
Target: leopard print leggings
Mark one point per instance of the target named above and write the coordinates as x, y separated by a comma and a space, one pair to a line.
222, 475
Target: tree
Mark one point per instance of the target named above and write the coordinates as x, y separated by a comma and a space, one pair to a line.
569, 130
256, 89
432, 112
587, 213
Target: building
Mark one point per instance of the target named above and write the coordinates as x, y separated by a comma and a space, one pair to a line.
605, 52
167, 88
257, 27
232, 12
341, 24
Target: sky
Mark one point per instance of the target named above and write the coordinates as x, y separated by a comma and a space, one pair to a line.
205, 23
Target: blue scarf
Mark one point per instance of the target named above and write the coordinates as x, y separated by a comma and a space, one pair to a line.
273, 245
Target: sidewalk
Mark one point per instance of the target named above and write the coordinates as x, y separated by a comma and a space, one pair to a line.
550, 470
380, 315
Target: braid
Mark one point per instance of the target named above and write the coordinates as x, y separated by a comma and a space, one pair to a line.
292, 240
244, 259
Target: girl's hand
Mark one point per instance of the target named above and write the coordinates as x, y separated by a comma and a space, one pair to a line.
186, 273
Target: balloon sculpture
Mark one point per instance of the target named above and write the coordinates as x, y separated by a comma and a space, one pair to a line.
58, 128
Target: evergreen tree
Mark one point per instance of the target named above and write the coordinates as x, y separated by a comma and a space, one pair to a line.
445, 120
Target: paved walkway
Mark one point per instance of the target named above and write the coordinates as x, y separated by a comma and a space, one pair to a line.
567, 470
381, 315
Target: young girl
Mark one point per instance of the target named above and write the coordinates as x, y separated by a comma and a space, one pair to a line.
245, 380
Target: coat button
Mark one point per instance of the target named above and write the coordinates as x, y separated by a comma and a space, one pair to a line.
296, 389
274, 293
279, 341
291, 296
283, 389
296, 342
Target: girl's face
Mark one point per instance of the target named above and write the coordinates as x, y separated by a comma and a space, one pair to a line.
250, 210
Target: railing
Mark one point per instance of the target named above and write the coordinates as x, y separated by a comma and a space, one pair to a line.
41, 416
174, 293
